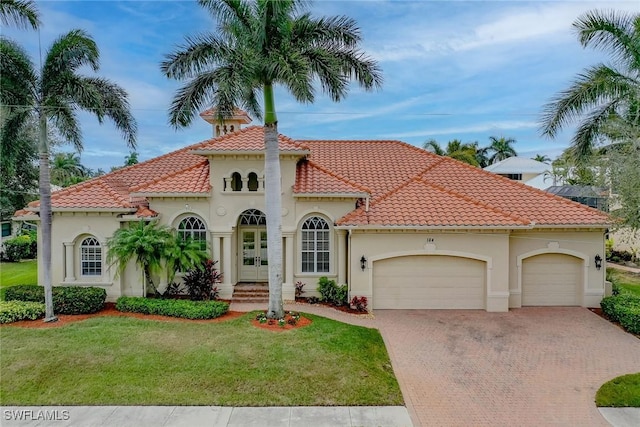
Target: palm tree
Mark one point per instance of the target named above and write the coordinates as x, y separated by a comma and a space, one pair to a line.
66, 168
605, 95
183, 255
501, 149
19, 12
260, 44
146, 242
456, 149
542, 158
53, 94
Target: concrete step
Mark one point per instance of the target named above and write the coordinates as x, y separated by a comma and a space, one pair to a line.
249, 299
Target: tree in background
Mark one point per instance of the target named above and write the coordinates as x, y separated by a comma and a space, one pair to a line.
67, 170
500, 149
456, 149
258, 45
53, 94
542, 158
131, 159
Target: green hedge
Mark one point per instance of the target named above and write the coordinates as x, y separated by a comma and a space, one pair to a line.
624, 309
13, 311
66, 299
173, 307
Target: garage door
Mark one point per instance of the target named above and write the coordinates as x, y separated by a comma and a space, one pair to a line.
428, 281
551, 279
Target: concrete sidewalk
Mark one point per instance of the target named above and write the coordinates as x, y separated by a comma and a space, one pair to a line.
209, 416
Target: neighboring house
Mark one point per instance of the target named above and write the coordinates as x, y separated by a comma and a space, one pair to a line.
588, 195
528, 171
404, 227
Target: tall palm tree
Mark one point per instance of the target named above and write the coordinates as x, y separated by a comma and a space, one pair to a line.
22, 13
65, 167
260, 44
53, 94
501, 149
605, 95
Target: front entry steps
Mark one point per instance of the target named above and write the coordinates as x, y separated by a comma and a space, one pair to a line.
250, 292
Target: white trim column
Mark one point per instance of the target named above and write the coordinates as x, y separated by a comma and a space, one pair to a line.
215, 253
226, 288
288, 288
69, 274
342, 256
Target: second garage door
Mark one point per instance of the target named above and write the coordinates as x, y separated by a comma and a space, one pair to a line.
429, 282
551, 279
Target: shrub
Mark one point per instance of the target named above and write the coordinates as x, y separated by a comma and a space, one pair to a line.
332, 293
13, 311
173, 307
359, 303
66, 299
313, 300
201, 282
17, 248
624, 309
299, 290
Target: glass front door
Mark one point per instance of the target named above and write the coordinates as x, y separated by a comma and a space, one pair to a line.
253, 255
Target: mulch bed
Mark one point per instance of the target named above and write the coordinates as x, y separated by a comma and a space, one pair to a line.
110, 310
272, 324
343, 308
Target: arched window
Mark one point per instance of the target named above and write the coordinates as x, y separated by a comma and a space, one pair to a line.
90, 257
315, 245
253, 181
236, 181
253, 217
194, 228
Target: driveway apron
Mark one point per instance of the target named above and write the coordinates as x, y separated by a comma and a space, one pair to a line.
528, 367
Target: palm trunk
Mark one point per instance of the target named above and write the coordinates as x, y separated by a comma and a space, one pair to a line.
45, 216
273, 206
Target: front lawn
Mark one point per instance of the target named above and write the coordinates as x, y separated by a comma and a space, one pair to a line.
620, 392
126, 361
18, 273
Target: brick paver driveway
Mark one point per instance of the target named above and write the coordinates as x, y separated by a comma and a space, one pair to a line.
527, 367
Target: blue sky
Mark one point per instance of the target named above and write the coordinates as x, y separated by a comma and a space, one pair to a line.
452, 69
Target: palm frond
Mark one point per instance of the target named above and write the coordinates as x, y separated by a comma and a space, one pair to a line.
22, 13
198, 54
191, 98
65, 120
585, 138
19, 80
68, 53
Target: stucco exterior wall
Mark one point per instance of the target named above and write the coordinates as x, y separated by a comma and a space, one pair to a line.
580, 244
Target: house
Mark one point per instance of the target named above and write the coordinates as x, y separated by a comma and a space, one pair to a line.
521, 169
402, 226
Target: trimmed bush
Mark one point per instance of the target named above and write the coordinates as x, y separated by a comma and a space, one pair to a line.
66, 299
17, 249
624, 309
332, 293
173, 307
14, 311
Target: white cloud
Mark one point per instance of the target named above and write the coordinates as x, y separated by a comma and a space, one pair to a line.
476, 127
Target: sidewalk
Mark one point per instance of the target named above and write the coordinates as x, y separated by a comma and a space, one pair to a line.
206, 416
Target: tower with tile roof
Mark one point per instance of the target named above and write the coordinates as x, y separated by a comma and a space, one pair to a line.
230, 124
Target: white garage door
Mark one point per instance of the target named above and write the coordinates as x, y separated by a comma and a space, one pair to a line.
428, 281
551, 279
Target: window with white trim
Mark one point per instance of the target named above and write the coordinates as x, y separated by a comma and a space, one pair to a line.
90, 257
315, 245
194, 228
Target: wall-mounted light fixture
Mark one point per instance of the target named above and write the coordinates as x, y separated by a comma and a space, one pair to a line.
186, 206
598, 260
363, 263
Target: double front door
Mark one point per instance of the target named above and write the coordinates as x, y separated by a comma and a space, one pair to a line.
253, 255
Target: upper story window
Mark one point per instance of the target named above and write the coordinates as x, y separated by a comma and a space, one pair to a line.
90, 257
236, 181
243, 182
315, 245
253, 217
194, 228
253, 181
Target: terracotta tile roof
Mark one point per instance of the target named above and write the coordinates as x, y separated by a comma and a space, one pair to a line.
194, 179
238, 114
537, 206
408, 186
248, 139
145, 212
378, 165
312, 178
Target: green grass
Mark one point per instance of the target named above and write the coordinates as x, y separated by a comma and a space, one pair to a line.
626, 280
18, 273
126, 361
620, 392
